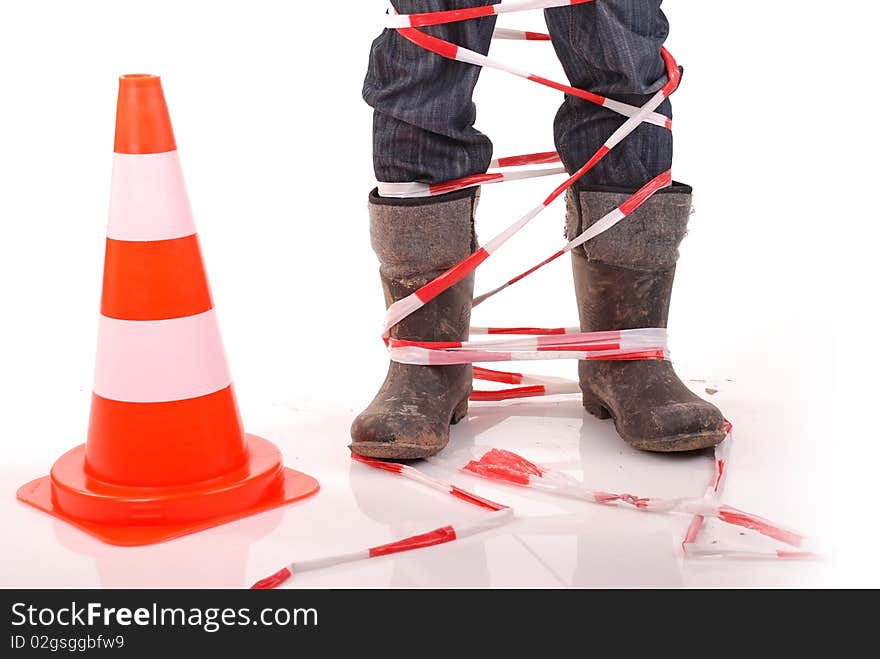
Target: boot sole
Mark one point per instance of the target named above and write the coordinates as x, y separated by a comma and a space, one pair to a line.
671, 444
678, 443
405, 450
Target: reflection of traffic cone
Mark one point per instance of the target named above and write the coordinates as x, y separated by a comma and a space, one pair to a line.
165, 454
217, 559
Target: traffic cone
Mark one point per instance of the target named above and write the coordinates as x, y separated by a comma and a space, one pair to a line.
165, 453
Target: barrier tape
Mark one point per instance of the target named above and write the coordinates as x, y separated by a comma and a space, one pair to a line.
432, 353
512, 469
500, 514
534, 342
555, 343
552, 343
509, 468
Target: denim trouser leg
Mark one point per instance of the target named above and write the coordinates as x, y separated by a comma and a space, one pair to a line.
424, 112
611, 47
423, 120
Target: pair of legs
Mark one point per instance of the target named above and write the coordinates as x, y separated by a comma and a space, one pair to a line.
423, 124
424, 132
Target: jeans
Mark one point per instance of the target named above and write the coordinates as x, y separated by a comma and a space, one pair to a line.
423, 120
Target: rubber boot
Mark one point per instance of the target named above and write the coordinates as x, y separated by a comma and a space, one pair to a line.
623, 280
416, 240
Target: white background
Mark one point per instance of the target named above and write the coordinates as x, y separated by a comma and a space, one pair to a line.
774, 128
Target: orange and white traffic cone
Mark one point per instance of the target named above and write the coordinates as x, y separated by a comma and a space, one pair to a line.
165, 453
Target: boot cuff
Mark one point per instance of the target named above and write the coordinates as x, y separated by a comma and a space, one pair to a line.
646, 240
413, 236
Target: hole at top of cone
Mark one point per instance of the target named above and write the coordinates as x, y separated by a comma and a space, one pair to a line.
136, 79
142, 121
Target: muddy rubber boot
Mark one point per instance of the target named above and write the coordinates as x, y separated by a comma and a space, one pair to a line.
416, 240
623, 280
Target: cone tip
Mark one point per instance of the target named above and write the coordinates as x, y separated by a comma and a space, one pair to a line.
142, 121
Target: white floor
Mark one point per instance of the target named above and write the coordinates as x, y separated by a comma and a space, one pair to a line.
552, 543
303, 368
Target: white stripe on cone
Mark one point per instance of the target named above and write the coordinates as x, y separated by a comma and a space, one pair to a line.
148, 199
152, 361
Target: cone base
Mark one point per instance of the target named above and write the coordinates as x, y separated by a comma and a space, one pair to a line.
142, 516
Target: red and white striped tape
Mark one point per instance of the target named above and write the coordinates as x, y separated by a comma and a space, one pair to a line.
406, 25
415, 301
559, 342
428, 353
691, 546
501, 514
616, 344
527, 385
519, 35
415, 189
543, 343
433, 353
507, 467
426, 19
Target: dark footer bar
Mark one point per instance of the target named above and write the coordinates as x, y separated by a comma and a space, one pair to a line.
179, 622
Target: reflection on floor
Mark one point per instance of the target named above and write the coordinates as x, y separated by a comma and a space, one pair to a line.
552, 543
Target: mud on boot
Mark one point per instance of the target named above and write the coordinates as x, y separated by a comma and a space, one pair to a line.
623, 280
416, 240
